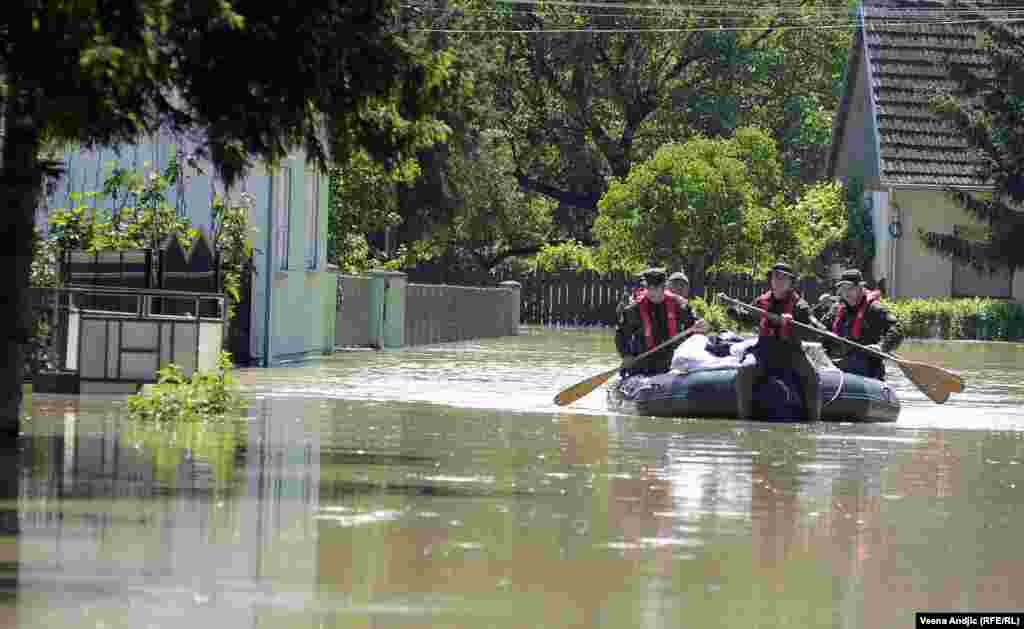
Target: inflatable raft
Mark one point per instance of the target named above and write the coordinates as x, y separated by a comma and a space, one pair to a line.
711, 392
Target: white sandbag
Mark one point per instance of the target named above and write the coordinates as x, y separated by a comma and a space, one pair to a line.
738, 349
692, 353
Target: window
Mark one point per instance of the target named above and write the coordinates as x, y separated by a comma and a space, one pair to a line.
312, 220
283, 217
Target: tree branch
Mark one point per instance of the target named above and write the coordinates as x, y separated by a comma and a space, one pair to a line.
581, 201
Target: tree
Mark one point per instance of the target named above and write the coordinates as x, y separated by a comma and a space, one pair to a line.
253, 79
686, 205
702, 205
563, 103
493, 219
363, 200
581, 107
987, 109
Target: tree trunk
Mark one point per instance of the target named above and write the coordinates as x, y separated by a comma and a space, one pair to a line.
20, 179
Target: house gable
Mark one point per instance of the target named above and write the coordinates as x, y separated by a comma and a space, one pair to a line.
902, 46
854, 152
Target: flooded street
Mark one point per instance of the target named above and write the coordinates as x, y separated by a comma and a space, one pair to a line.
440, 487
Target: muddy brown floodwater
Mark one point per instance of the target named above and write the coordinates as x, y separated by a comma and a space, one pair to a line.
439, 487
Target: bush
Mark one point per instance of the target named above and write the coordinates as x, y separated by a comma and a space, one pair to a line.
966, 318
204, 396
713, 313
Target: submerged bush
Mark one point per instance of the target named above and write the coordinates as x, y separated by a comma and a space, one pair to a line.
174, 397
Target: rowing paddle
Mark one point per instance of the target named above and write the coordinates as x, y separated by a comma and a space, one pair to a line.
578, 390
935, 382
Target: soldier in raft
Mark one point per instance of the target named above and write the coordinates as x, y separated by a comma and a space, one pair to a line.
862, 318
778, 350
679, 284
655, 317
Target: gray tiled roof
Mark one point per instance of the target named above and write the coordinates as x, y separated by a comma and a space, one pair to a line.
906, 44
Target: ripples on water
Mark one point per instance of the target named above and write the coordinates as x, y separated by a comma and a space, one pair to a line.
439, 486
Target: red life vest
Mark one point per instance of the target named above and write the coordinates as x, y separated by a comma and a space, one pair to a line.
671, 310
870, 297
767, 327
639, 293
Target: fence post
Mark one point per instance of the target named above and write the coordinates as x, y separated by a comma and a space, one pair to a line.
387, 308
514, 309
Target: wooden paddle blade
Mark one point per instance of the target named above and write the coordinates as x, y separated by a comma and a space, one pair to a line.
578, 390
935, 382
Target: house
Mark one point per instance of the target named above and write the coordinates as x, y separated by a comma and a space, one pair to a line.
292, 311
886, 135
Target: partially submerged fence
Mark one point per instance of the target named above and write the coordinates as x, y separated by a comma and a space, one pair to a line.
352, 325
116, 348
591, 298
382, 309
169, 267
440, 314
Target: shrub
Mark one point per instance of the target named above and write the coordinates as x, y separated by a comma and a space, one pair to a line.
966, 318
203, 396
713, 313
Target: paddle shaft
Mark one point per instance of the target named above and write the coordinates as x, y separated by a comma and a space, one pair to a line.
811, 328
675, 339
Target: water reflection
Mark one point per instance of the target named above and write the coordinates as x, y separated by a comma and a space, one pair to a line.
320, 511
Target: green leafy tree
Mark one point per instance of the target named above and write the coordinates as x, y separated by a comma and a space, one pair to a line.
987, 109
491, 219
798, 232
706, 205
232, 244
687, 205
579, 109
254, 79
363, 199
131, 211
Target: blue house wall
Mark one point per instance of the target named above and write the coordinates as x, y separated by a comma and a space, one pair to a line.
293, 299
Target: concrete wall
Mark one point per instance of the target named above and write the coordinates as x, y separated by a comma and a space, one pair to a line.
917, 271
352, 327
439, 314
381, 310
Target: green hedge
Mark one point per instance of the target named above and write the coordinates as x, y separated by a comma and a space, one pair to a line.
968, 318
713, 313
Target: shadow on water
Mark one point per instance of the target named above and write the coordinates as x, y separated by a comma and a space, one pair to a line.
440, 487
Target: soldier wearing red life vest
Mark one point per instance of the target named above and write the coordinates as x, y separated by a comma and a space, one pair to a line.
679, 285
861, 317
655, 317
778, 349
